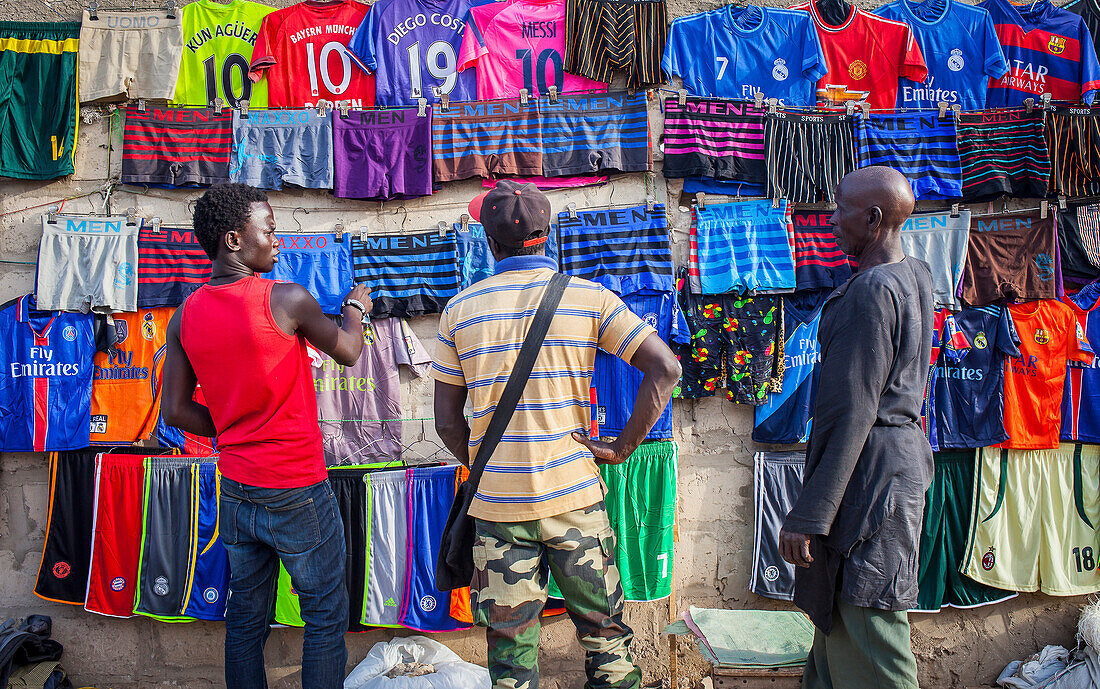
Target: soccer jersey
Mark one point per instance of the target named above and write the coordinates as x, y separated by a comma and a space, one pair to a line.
413, 45
737, 52
319, 262
960, 48
786, 416
625, 250
46, 386
1050, 336
519, 45
302, 52
218, 42
939, 240
818, 261
359, 406
1049, 50
126, 378
968, 394
920, 146
866, 56
1081, 395
617, 382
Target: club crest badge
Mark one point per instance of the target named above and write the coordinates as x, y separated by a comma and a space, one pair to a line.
955, 61
780, 71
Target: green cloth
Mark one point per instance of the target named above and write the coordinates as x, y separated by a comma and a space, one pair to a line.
754, 638
866, 649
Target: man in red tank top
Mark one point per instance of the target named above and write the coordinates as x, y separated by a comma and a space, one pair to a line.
243, 339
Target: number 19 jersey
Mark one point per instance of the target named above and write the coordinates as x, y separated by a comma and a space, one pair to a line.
414, 44
519, 45
218, 42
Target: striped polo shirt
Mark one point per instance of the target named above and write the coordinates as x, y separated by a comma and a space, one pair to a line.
537, 470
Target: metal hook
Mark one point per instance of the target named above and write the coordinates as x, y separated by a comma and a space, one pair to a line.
404, 219
294, 217
611, 197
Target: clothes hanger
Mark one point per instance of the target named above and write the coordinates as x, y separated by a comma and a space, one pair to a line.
833, 12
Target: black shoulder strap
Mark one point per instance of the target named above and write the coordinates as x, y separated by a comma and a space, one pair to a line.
517, 380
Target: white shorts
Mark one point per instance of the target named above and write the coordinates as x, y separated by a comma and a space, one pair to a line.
87, 263
130, 55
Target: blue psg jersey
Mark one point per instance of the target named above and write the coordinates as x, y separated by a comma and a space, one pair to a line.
786, 417
960, 47
46, 385
1081, 393
414, 44
617, 382
734, 52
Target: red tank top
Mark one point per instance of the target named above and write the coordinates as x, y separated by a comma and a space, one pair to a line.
257, 383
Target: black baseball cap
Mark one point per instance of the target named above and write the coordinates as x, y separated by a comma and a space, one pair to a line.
515, 215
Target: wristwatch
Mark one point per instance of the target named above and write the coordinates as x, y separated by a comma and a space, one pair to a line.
359, 305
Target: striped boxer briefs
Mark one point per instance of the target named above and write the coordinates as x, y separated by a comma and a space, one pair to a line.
171, 265
605, 36
712, 137
818, 261
1079, 245
919, 145
382, 154
1003, 152
486, 139
408, 274
387, 504
176, 147
623, 249
1073, 142
744, 247
808, 155
584, 134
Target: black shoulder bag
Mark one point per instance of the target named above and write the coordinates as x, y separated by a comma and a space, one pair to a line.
454, 565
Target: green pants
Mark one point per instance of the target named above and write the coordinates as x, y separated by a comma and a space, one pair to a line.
867, 649
512, 561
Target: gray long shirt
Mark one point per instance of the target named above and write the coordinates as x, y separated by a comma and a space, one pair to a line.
868, 463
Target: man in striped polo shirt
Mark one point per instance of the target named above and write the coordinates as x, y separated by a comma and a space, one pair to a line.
539, 507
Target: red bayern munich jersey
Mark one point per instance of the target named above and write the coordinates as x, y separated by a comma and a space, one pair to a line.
302, 50
866, 55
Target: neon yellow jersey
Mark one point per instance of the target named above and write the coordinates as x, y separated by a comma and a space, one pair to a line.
218, 41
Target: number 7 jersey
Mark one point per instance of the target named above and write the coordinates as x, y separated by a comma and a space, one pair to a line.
218, 42
302, 52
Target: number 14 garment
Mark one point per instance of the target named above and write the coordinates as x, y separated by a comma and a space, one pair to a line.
218, 42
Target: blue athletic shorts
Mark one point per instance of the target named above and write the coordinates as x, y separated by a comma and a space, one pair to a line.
273, 147
208, 563
317, 262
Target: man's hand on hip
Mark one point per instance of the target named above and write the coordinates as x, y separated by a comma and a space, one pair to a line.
604, 453
795, 548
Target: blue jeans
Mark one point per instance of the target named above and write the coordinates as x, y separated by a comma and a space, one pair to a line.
302, 528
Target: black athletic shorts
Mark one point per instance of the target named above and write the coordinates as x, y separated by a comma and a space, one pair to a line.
808, 154
1003, 152
1079, 244
351, 497
602, 36
1073, 141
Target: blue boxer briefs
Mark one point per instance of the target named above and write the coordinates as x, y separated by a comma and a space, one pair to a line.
317, 262
276, 147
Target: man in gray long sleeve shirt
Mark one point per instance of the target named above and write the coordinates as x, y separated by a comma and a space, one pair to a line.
855, 529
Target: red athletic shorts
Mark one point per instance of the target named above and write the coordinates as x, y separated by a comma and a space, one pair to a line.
116, 535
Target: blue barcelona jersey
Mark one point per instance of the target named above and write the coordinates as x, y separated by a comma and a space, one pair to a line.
617, 382
737, 52
45, 378
786, 417
414, 44
208, 562
317, 262
960, 47
1081, 393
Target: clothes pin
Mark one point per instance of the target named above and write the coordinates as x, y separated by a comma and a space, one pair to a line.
141, 105
866, 109
850, 107
701, 200
172, 7
362, 233
682, 96
93, 10
218, 105
244, 109
773, 104
572, 208
322, 105
131, 216
943, 109
338, 230
758, 98
523, 96
155, 222
553, 91
51, 215
444, 102
464, 221
775, 202
1044, 209
422, 107
442, 229
954, 210
345, 108
1029, 103
1061, 200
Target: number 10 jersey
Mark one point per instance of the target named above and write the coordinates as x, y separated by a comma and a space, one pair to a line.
218, 41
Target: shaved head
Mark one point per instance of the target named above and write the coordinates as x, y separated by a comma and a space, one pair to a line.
872, 204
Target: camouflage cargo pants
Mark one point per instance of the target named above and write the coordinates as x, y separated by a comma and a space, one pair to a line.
511, 565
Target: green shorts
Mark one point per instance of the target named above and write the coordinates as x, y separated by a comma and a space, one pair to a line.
38, 106
943, 539
641, 506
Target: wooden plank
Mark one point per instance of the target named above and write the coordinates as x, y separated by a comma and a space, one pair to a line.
758, 672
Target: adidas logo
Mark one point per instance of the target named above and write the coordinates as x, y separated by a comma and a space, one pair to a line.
390, 603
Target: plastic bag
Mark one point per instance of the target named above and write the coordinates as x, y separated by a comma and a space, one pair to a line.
451, 672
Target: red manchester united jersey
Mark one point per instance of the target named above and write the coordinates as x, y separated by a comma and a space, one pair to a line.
866, 55
302, 50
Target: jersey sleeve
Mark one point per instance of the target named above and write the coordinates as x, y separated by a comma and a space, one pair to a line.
446, 367
1008, 340
813, 57
263, 53
913, 67
676, 57
410, 351
996, 65
1090, 69
473, 43
1078, 344
621, 331
361, 45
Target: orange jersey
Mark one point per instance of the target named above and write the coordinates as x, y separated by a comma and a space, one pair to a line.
126, 380
1049, 337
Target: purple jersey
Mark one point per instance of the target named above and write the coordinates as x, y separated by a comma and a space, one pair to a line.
413, 44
